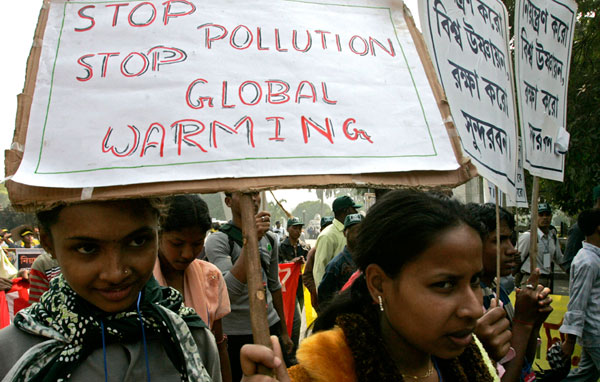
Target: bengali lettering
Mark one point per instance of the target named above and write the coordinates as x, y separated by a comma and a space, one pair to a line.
531, 95
451, 27
461, 5
550, 103
539, 142
560, 30
497, 95
488, 14
535, 16
547, 59
465, 77
488, 135
484, 46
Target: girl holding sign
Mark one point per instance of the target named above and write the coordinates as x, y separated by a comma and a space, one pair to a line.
412, 312
181, 239
106, 317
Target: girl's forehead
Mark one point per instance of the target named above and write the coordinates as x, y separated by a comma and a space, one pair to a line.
103, 218
458, 250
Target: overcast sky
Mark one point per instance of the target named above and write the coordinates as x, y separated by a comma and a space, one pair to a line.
17, 27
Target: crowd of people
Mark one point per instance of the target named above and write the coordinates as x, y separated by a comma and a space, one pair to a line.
149, 289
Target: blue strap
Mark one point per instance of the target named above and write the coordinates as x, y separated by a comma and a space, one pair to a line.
104, 352
143, 336
439, 373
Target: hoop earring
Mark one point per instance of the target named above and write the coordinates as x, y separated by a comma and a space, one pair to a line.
380, 303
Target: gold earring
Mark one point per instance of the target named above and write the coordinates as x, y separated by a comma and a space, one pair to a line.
380, 303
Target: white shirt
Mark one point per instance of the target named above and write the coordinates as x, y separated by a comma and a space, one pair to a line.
583, 312
548, 250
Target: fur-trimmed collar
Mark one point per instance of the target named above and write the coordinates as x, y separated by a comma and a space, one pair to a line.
353, 351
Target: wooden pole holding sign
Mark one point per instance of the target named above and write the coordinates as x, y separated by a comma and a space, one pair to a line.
498, 274
533, 239
256, 289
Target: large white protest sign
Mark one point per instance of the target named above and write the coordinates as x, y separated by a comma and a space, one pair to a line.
468, 43
544, 36
154, 91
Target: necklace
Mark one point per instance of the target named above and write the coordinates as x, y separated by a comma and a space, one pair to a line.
415, 377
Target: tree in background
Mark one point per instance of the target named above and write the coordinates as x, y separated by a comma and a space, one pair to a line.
276, 212
215, 205
355, 193
309, 209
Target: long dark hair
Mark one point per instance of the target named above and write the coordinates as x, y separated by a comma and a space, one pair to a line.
185, 211
486, 214
396, 230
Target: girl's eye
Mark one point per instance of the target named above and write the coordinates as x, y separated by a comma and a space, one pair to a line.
87, 249
475, 281
444, 285
138, 241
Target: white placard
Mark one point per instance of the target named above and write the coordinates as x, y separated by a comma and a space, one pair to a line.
521, 195
521, 200
490, 193
543, 41
153, 91
468, 43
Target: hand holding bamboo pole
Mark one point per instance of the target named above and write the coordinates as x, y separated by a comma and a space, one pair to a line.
256, 289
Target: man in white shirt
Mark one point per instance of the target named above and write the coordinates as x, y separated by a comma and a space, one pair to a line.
548, 247
279, 231
582, 320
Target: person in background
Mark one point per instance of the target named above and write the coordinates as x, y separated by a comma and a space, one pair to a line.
26, 235
412, 312
291, 247
548, 246
582, 320
307, 277
181, 239
43, 270
3, 241
339, 270
105, 317
224, 249
7, 271
576, 236
331, 240
302, 237
295, 251
7, 242
532, 305
278, 230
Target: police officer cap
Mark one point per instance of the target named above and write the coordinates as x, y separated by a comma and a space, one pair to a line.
544, 207
342, 202
294, 221
352, 219
326, 220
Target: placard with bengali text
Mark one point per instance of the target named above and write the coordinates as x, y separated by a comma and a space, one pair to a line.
543, 42
468, 43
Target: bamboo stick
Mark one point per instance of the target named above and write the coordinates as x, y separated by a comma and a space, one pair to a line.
256, 289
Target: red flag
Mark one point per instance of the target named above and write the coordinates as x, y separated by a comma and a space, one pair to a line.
289, 274
13, 300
